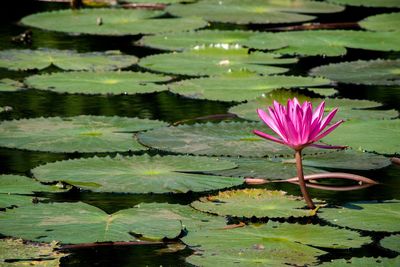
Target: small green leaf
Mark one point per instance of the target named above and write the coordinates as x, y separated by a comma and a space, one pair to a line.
391, 242
16, 184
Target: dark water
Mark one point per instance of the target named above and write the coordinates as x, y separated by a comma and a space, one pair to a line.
168, 107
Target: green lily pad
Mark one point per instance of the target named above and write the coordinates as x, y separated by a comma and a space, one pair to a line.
122, 82
139, 174
217, 139
380, 136
215, 61
82, 223
381, 22
240, 87
369, 216
71, 134
391, 242
8, 201
349, 109
368, 3
258, 203
373, 72
255, 11
323, 42
25, 59
8, 85
363, 262
16, 184
324, 92
111, 22
15, 252
196, 39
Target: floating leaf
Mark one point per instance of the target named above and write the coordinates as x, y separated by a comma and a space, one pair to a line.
363, 262
215, 61
349, 109
8, 85
139, 174
70, 134
239, 87
325, 92
373, 72
368, 216
382, 22
8, 201
122, 82
255, 11
323, 42
216, 139
368, 3
258, 203
380, 136
391, 242
16, 184
111, 22
25, 59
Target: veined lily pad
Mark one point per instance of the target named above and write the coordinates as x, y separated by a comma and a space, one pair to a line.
122, 82
323, 42
139, 174
8, 85
349, 109
391, 242
380, 136
382, 22
111, 22
373, 72
258, 203
70, 134
216, 139
25, 59
16, 184
215, 61
240, 87
8, 201
14, 252
255, 11
363, 262
192, 39
368, 3
368, 216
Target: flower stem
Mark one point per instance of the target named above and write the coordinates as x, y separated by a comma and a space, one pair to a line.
300, 174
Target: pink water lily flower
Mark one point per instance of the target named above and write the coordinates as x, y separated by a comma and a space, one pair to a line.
297, 124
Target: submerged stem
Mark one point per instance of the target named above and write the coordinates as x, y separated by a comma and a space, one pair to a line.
300, 175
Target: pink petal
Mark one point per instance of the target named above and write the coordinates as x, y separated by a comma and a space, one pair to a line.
330, 129
327, 119
269, 121
267, 136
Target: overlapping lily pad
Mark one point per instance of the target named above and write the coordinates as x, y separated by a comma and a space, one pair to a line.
368, 216
258, 203
391, 242
256, 11
71, 134
323, 42
139, 174
25, 59
8, 85
349, 109
111, 22
368, 3
382, 22
216, 139
17, 184
122, 82
9, 201
216, 61
380, 136
240, 86
373, 72
363, 262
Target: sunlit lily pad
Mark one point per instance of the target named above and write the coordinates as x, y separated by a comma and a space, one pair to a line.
111, 21
8, 85
122, 82
216, 139
17, 184
323, 42
368, 216
70, 134
216, 61
391, 242
25, 59
363, 262
139, 174
15, 252
256, 11
9, 201
368, 3
258, 203
349, 109
240, 87
373, 72
382, 22
380, 136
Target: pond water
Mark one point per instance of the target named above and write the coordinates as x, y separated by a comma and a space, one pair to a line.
171, 108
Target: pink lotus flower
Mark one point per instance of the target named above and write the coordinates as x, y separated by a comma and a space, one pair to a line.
298, 125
